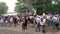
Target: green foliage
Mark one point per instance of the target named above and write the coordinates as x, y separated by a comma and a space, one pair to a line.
46, 6
3, 8
21, 5
41, 6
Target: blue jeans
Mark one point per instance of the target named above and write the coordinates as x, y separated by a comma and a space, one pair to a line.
37, 27
54, 25
48, 22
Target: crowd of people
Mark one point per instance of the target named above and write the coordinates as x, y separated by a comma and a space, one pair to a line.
38, 20
7, 19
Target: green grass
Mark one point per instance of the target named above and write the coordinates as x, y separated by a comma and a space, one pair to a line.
48, 28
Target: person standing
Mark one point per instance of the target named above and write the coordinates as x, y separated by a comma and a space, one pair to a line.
38, 24
2, 21
43, 23
55, 22
49, 20
24, 23
15, 21
31, 18
11, 20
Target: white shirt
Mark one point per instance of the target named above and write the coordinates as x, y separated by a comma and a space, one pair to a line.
55, 18
48, 17
43, 23
1, 20
38, 20
11, 19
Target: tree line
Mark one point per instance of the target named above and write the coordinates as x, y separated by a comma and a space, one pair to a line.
41, 6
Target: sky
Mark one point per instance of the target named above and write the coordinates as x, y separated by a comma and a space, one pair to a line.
10, 3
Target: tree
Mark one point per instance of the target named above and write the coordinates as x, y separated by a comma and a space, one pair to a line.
3, 8
56, 7
45, 6
20, 6
41, 6
23, 4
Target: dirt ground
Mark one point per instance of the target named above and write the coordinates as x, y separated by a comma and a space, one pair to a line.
18, 30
